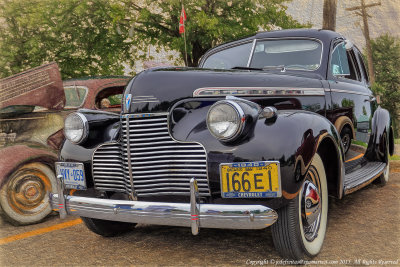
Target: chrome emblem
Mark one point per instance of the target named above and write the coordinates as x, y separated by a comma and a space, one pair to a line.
128, 99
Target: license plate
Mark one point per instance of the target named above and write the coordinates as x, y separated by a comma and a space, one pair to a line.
73, 175
259, 179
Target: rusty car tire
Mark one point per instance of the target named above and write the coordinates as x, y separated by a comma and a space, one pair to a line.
107, 228
24, 198
289, 233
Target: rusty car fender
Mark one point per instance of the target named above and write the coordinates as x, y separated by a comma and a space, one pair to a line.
16, 155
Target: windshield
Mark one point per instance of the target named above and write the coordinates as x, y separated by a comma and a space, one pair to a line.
296, 54
75, 96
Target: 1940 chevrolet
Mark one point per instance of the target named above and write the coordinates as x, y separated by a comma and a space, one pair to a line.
258, 135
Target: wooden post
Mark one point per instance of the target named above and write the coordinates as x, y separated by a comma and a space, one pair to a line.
329, 15
362, 11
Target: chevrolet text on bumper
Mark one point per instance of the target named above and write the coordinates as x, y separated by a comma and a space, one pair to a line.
193, 214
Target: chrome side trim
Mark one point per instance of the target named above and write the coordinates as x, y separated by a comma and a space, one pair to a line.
257, 91
347, 92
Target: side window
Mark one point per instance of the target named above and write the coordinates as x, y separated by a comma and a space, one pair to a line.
363, 68
74, 96
236, 56
109, 98
343, 63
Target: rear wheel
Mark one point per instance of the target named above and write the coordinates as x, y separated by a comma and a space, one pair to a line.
384, 178
24, 199
107, 228
345, 135
300, 229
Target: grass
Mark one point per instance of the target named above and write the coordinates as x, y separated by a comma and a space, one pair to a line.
359, 143
397, 141
395, 157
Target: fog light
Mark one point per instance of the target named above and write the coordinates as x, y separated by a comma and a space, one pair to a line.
268, 113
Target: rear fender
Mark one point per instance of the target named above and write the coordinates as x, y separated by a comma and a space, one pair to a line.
381, 126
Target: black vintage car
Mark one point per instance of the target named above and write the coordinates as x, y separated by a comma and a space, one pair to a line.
259, 135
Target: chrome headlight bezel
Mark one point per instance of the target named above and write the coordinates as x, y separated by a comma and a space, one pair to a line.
84, 126
241, 118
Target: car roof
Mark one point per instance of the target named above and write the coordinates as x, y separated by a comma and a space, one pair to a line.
313, 33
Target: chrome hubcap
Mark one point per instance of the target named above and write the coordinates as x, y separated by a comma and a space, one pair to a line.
346, 141
311, 205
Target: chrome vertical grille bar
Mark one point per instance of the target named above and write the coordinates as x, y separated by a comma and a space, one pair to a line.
133, 194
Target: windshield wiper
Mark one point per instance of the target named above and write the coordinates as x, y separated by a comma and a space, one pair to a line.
279, 67
245, 68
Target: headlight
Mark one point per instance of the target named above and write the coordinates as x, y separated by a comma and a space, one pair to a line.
225, 120
76, 128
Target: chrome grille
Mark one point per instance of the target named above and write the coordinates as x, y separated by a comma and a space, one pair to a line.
159, 164
108, 172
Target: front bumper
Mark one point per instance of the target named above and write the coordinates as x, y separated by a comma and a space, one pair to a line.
191, 214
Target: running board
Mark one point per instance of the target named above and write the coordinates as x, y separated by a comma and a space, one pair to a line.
363, 176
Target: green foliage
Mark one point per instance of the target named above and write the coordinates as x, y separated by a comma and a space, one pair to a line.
79, 35
386, 58
209, 23
94, 37
394, 157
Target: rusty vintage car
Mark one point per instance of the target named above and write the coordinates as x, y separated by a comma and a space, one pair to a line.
33, 105
255, 137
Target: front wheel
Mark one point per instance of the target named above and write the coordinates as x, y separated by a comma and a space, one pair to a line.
300, 229
107, 228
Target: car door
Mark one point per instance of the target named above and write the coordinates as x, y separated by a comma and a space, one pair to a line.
352, 100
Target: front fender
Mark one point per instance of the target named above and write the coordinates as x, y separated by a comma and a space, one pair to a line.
292, 139
14, 156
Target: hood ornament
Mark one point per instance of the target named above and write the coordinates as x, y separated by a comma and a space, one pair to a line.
128, 99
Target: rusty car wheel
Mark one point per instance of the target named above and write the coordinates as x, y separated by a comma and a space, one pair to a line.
24, 198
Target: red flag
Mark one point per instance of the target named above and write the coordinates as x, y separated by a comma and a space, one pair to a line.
182, 20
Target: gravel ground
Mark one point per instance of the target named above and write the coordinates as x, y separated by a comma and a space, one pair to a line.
362, 228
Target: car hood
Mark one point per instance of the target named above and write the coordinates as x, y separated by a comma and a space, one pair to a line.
156, 90
41, 86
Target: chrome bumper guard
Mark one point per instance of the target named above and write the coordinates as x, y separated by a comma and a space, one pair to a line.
193, 214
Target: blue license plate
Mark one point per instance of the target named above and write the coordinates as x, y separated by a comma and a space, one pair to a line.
73, 175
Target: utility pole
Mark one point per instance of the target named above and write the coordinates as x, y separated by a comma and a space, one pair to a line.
362, 11
329, 15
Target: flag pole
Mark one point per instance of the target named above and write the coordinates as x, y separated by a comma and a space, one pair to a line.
184, 38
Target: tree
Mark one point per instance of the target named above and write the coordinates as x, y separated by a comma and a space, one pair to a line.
386, 58
209, 23
79, 35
